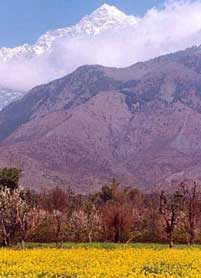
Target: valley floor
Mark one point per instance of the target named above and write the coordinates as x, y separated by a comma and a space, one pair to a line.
101, 260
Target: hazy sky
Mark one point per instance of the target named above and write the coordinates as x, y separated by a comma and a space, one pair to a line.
23, 21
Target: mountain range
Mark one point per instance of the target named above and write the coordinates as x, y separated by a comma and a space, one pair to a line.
107, 36
139, 124
105, 18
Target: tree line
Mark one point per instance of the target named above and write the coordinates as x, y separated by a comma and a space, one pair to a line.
113, 214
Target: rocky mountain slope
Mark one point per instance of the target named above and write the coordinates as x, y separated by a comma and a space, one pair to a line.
140, 124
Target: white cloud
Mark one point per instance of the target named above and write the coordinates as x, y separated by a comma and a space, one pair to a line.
175, 26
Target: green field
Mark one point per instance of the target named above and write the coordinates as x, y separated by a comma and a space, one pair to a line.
105, 245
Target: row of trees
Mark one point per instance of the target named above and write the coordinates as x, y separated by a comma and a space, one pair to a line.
114, 214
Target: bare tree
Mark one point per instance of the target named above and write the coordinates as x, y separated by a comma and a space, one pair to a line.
191, 209
58, 203
118, 219
171, 208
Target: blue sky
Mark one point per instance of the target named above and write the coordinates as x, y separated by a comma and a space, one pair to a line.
24, 21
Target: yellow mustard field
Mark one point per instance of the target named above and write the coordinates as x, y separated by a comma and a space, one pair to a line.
135, 263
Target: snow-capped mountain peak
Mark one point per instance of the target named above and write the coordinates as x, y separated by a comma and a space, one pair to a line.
105, 18
101, 20
108, 11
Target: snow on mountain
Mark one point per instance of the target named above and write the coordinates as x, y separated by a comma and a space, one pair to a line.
108, 37
7, 96
104, 18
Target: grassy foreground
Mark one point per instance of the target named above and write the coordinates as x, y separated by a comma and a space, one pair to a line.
118, 262
106, 245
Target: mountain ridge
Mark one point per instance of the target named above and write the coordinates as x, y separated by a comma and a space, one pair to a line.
102, 19
98, 39
140, 124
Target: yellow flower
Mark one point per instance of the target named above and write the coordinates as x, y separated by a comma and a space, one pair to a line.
100, 263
